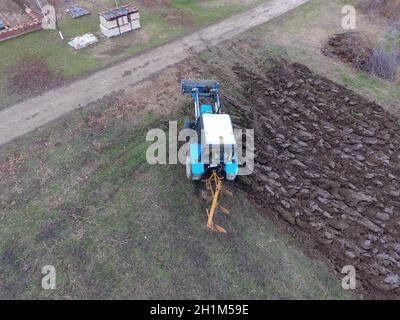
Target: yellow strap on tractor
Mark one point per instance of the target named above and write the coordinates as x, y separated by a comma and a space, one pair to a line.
214, 184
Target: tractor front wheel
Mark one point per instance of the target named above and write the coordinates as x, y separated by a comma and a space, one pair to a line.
188, 124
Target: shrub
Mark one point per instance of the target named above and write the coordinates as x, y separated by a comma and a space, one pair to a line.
392, 37
383, 63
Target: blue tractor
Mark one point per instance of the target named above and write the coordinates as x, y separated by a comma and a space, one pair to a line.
213, 157
215, 150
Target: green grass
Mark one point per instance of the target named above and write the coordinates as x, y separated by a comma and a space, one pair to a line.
206, 12
62, 59
362, 81
117, 227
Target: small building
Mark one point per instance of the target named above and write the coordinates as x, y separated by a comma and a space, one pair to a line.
2, 25
117, 21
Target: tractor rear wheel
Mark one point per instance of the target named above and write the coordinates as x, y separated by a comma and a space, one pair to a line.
189, 173
188, 166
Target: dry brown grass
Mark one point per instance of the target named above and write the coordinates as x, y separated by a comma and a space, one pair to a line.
154, 3
32, 74
386, 8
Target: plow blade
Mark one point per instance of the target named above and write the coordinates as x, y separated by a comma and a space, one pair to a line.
213, 226
227, 192
223, 210
214, 185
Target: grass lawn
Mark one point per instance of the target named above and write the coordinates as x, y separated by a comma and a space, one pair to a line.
159, 24
85, 201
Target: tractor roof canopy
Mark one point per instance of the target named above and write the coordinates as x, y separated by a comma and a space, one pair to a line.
217, 129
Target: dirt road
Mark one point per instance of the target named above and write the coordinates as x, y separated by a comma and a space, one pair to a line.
33, 113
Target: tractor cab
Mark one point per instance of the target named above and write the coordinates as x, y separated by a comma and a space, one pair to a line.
215, 150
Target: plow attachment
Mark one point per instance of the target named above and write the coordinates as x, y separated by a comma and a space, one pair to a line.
203, 86
214, 185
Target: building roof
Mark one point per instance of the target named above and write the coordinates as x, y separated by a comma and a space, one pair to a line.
2, 24
115, 13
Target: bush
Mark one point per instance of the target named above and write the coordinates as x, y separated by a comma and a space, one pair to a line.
392, 37
383, 63
356, 48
